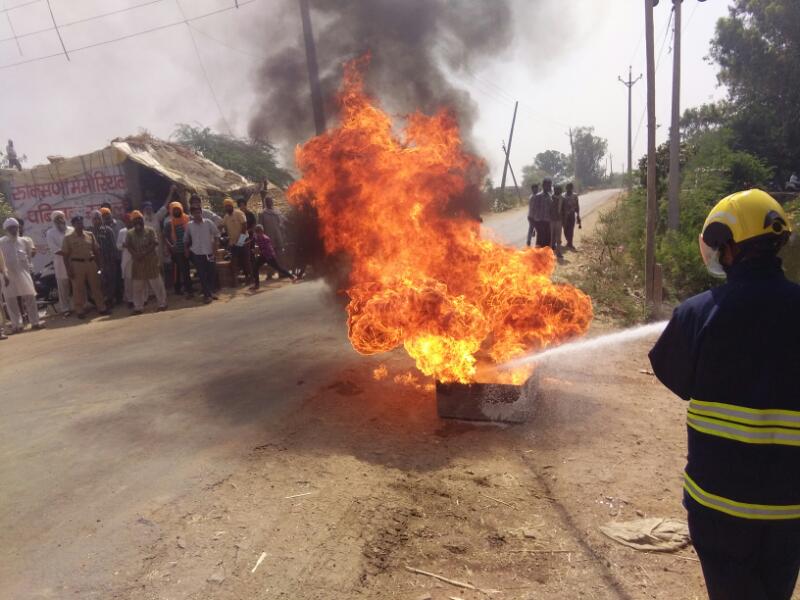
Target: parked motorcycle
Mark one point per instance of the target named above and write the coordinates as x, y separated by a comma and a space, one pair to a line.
46, 287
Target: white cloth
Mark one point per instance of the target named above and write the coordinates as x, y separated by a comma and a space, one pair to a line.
201, 236
55, 240
64, 294
140, 292
12, 304
127, 259
15, 250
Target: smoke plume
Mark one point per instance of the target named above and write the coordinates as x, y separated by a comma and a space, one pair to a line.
413, 45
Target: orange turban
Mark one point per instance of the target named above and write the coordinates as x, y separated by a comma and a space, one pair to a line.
174, 205
135, 214
229, 202
105, 211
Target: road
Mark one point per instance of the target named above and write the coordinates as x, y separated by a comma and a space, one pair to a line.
155, 457
512, 226
101, 422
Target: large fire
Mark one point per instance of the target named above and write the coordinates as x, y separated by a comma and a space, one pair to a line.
421, 275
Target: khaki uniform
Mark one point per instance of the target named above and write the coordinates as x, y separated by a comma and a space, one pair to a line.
79, 255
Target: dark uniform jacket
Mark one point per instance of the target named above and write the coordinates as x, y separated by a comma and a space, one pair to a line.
734, 354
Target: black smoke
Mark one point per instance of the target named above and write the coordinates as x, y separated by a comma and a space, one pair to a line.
413, 45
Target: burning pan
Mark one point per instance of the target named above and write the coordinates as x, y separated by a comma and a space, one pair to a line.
486, 401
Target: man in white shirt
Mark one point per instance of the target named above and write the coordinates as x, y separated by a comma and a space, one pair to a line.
126, 264
20, 282
55, 240
200, 243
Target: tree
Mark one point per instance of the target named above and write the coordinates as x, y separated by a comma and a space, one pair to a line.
589, 151
553, 163
530, 175
758, 50
255, 159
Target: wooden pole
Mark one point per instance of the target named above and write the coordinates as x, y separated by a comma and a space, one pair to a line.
313, 69
673, 208
508, 152
629, 84
650, 233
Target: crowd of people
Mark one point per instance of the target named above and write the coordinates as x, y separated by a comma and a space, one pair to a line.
111, 261
551, 212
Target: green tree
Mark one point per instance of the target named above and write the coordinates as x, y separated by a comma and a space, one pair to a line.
254, 159
588, 152
757, 48
554, 163
530, 175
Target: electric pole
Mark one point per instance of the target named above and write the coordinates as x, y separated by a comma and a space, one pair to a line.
629, 84
673, 208
313, 69
650, 233
508, 152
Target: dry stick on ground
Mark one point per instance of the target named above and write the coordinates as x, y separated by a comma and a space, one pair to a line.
460, 584
500, 501
545, 551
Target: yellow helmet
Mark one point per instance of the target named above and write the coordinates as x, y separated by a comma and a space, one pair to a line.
741, 217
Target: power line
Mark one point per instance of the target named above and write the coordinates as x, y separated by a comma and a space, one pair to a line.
85, 20
203, 67
60, 39
13, 31
129, 36
10, 8
658, 64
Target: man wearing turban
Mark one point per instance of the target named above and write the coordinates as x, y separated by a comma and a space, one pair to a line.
19, 285
55, 240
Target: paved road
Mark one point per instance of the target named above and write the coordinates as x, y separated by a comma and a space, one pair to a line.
512, 226
103, 422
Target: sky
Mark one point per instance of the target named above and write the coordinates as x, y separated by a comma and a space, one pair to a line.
156, 80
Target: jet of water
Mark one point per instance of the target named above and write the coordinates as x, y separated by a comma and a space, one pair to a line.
610, 339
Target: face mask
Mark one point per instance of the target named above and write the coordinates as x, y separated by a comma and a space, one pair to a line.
711, 260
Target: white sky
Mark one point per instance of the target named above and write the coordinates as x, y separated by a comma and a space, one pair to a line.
155, 81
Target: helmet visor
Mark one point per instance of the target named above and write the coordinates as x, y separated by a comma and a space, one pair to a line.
711, 259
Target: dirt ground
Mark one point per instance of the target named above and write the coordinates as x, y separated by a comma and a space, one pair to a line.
347, 485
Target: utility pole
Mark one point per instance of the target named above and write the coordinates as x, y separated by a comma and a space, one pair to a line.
629, 84
313, 69
650, 239
511, 170
673, 207
508, 152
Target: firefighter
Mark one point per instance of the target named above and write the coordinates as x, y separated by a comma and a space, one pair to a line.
731, 352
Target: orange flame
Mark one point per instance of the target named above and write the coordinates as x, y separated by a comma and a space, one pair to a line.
421, 276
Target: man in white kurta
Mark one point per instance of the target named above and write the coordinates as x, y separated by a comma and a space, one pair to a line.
55, 240
127, 265
20, 283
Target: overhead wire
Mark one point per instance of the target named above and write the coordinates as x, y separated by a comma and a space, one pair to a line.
203, 68
658, 65
84, 20
15, 7
11, 27
128, 36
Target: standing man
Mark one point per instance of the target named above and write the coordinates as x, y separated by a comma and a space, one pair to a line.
142, 244
20, 282
235, 223
4, 282
174, 232
272, 222
541, 214
80, 252
201, 247
11, 155
571, 212
126, 263
556, 206
55, 240
531, 227
732, 353
108, 256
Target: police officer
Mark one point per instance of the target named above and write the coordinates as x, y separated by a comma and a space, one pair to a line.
80, 251
733, 354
